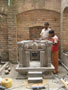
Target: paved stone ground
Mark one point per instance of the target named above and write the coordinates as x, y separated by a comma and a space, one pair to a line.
19, 83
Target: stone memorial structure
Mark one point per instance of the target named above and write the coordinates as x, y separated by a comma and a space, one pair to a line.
34, 55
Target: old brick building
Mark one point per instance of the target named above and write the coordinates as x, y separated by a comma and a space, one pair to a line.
24, 19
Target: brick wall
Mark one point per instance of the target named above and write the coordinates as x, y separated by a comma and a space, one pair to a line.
35, 18
3, 30
64, 24
34, 32
3, 37
26, 5
12, 34
30, 15
65, 30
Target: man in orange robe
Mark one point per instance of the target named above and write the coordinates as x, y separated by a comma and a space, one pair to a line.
55, 49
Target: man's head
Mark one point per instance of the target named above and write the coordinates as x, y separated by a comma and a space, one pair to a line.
51, 33
46, 25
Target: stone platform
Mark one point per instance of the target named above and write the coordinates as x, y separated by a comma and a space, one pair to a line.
24, 70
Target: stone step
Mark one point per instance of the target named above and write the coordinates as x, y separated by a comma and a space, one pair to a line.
35, 79
34, 74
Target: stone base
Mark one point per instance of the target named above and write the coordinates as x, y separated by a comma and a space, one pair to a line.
23, 70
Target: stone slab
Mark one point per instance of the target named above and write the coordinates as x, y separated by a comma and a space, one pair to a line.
35, 79
34, 74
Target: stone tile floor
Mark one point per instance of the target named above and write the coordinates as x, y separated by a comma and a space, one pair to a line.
19, 83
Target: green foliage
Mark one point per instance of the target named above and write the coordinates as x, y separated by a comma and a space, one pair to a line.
11, 1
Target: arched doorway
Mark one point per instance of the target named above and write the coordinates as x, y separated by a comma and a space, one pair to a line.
34, 32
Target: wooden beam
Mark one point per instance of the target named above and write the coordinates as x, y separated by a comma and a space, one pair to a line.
65, 84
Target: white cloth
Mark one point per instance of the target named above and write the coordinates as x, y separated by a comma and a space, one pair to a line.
1, 80
55, 39
44, 33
